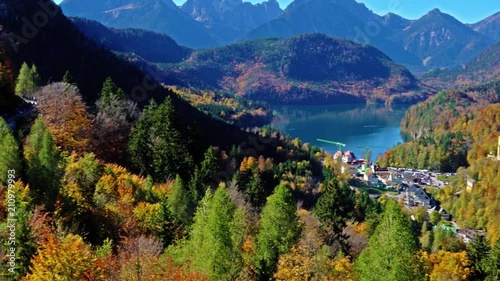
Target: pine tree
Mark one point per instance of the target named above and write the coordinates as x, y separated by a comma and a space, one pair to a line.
9, 152
478, 251
391, 254
492, 263
279, 231
209, 168
44, 165
181, 202
26, 81
217, 237
255, 192
109, 89
334, 208
157, 146
67, 78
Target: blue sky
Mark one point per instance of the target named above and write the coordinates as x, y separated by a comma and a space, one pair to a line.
468, 11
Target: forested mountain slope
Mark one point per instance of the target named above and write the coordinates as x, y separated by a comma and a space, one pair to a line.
311, 68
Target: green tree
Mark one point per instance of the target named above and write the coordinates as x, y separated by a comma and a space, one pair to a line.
206, 174
334, 208
109, 89
478, 251
279, 231
67, 78
78, 186
44, 165
365, 206
27, 81
217, 236
492, 264
255, 193
392, 250
181, 202
157, 146
435, 217
9, 152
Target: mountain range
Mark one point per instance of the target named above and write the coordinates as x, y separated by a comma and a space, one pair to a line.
484, 68
436, 40
312, 68
197, 24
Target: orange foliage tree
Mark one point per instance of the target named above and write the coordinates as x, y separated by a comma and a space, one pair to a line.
65, 115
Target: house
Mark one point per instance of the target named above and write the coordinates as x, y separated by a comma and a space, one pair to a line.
348, 157
417, 196
379, 170
467, 234
372, 179
470, 184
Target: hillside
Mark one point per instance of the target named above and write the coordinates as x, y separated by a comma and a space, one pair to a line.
149, 45
457, 130
489, 27
435, 40
481, 69
445, 131
309, 69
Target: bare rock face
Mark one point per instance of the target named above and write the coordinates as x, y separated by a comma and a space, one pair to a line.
230, 19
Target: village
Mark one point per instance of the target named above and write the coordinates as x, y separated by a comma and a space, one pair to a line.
407, 185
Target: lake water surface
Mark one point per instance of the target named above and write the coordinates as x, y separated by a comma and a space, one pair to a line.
357, 125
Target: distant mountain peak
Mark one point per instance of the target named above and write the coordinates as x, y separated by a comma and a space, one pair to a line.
490, 26
435, 11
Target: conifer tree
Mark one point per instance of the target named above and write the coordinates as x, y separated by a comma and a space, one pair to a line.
217, 236
109, 89
255, 192
157, 146
44, 165
492, 264
67, 78
478, 251
181, 202
9, 152
27, 81
279, 231
391, 254
334, 208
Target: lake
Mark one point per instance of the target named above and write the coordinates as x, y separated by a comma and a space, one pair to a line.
357, 125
